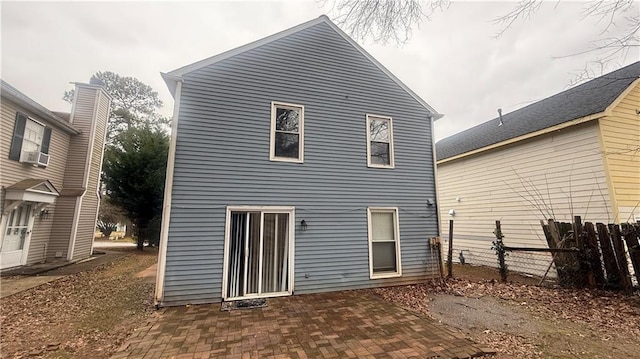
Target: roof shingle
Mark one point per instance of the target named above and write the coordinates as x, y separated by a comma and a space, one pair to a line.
583, 100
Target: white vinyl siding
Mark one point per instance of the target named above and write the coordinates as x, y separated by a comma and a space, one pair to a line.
560, 174
384, 243
379, 142
287, 132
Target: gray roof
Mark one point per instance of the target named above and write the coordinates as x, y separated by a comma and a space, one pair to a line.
11, 93
583, 100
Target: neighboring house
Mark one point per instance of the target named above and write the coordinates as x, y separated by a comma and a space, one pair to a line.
298, 163
574, 153
50, 169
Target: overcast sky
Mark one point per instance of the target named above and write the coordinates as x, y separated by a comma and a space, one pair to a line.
452, 61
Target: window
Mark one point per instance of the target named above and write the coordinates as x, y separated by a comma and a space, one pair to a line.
29, 136
384, 243
33, 134
379, 142
287, 132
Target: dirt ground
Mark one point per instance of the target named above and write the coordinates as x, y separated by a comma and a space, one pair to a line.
522, 320
81, 315
90, 314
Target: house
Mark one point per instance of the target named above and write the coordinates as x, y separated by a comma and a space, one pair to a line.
298, 164
50, 172
574, 153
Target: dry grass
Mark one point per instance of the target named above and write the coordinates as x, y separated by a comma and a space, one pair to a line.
581, 323
84, 315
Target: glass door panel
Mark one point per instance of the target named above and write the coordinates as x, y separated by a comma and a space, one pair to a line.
258, 262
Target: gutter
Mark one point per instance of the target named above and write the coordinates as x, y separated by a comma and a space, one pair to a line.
55, 120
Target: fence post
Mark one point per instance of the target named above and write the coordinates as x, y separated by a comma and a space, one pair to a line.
614, 277
587, 277
593, 255
618, 247
450, 252
499, 248
631, 234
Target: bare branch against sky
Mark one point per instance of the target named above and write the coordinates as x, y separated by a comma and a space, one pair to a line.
383, 20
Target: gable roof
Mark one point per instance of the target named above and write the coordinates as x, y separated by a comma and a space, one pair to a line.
34, 184
176, 75
32, 190
11, 93
590, 98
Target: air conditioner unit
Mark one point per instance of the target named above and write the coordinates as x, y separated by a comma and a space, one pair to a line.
37, 158
43, 159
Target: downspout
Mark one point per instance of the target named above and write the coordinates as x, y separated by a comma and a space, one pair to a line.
168, 189
433, 118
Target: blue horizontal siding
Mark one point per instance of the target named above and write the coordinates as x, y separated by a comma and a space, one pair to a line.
222, 158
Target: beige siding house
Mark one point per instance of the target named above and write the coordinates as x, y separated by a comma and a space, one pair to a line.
49, 172
574, 153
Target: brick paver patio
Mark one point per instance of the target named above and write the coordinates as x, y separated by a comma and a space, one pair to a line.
350, 324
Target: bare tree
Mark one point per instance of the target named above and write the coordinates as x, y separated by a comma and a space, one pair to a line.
392, 20
621, 14
383, 20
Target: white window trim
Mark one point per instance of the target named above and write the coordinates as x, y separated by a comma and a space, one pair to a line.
391, 155
263, 209
272, 152
393, 210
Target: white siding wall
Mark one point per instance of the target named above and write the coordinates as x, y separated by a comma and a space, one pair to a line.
560, 174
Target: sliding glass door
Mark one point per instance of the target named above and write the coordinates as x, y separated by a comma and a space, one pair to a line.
258, 250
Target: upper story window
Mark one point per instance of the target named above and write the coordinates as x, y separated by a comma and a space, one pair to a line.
30, 142
33, 135
287, 132
379, 142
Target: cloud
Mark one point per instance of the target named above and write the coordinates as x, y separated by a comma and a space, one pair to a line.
452, 61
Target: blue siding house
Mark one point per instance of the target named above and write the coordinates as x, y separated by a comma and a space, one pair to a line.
298, 164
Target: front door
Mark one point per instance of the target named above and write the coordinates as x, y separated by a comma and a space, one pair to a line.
258, 251
16, 235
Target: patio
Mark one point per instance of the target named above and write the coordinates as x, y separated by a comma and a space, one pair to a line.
349, 324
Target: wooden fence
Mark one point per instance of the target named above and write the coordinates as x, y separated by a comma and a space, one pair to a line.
585, 255
599, 258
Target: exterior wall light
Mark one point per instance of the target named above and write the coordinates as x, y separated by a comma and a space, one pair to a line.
303, 224
44, 214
